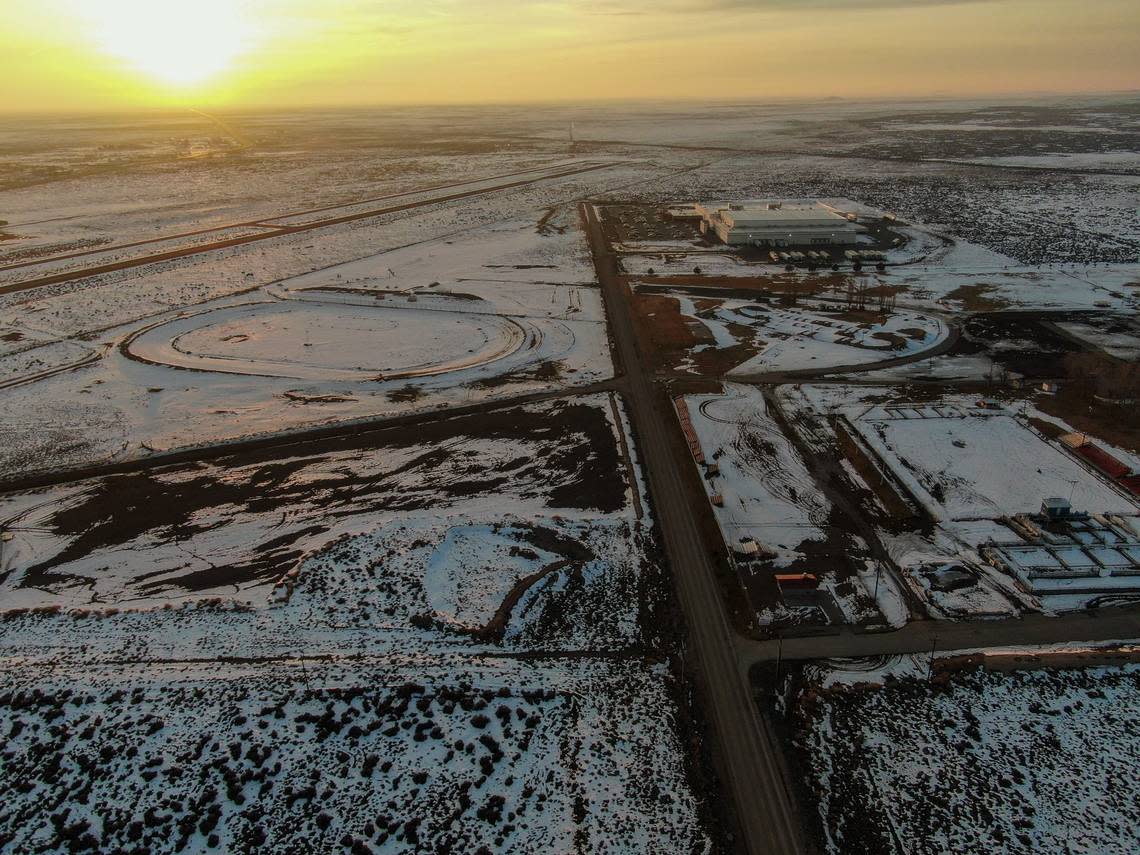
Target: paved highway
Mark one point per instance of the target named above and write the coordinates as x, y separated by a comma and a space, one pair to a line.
267, 222
748, 757
275, 232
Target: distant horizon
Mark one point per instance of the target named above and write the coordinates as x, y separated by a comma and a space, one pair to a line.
79, 56
601, 101
525, 426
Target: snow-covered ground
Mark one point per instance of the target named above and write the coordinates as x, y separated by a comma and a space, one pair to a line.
501, 311
367, 755
817, 336
768, 496
363, 640
964, 463
239, 526
156, 201
313, 341
811, 335
1039, 761
768, 493
1115, 338
1124, 161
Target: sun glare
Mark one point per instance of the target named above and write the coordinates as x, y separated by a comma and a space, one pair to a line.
177, 43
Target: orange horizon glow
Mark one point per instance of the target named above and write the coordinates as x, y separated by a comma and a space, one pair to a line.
63, 55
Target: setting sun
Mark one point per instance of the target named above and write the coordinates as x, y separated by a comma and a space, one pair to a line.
121, 53
507, 427
179, 44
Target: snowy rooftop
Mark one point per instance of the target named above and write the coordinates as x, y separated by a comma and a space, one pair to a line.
766, 213
778, 211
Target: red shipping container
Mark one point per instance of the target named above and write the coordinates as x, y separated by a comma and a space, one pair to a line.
1103, 461
1131, 483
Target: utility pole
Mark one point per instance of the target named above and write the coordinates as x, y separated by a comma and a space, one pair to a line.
779, 659
930, 663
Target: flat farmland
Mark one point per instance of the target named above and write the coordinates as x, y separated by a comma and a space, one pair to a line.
501, 312
241, 525
454, 640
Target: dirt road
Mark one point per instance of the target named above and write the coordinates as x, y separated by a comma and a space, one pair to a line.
283, 440
1109, 624
749, 759
804, 375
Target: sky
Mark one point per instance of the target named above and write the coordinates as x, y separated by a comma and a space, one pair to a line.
64, 55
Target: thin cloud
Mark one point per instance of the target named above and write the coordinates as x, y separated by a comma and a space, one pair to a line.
639, 7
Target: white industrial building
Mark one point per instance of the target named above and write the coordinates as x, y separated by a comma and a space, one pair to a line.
777, 224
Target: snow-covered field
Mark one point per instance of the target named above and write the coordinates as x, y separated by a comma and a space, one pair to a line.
770, 498
307, 340
820, 336
1115, 336
768, 493
747, 338
1122, 161
501, 311
361, 642
73, 398
964, 463
239, 526
84, 203
337, 756
1039, 761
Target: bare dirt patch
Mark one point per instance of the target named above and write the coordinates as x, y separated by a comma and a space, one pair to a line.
286, 497
674, 341
1116, 424
974, 298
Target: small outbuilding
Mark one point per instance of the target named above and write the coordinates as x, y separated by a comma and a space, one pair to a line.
950, 577
748, 547
1056, 508
1074, 440
797, 580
